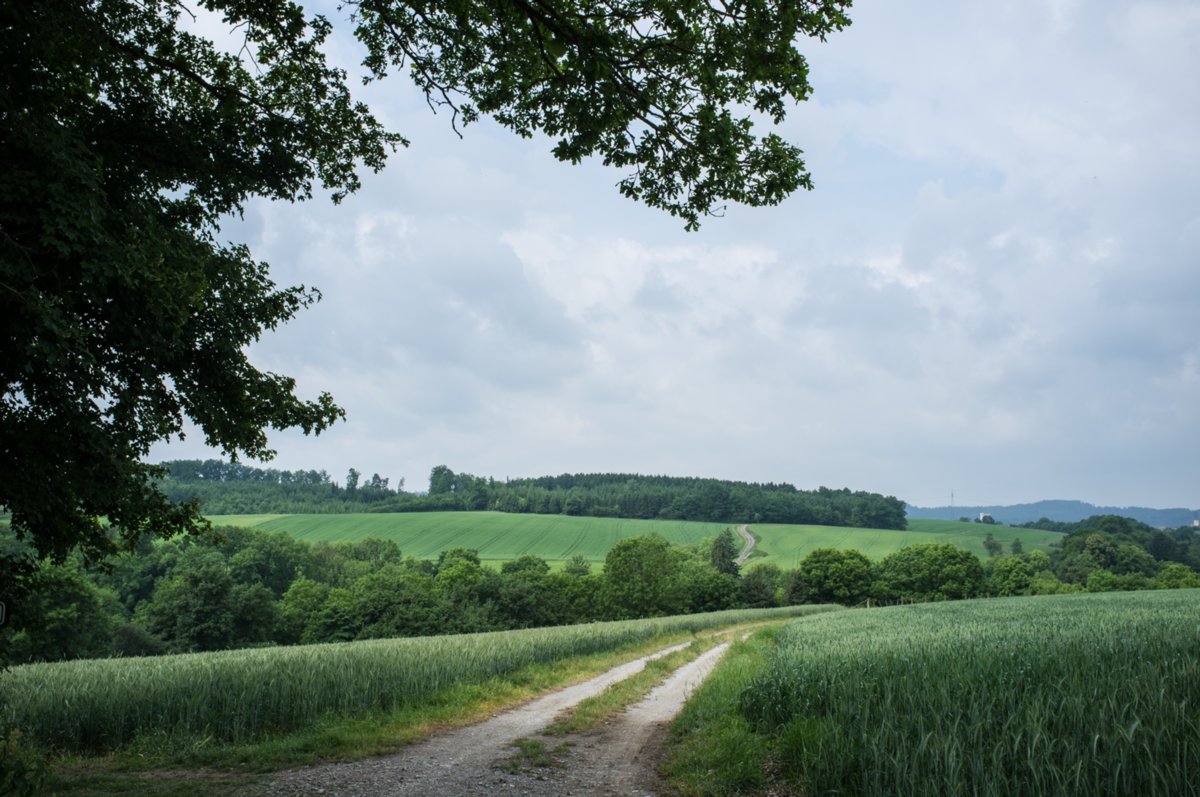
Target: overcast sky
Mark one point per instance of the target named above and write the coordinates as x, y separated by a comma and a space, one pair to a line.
994, 288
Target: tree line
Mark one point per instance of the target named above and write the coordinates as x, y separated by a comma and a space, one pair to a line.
1120, 553
233, 488
247, 587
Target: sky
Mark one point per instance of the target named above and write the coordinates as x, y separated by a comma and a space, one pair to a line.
992, 292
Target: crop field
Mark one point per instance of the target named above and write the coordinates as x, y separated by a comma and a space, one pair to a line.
787, 545
500, 536
240, 695
1065, 695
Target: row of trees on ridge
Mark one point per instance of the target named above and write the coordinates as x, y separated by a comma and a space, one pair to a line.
231, 488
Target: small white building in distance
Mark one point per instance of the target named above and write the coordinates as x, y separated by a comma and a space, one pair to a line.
984, 517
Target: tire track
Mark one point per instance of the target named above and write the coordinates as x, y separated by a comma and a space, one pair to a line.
459, 763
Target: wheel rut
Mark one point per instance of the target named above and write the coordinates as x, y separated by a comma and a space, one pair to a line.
621, 757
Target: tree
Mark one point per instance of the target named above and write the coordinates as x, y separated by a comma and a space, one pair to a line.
299, 609
928, 572
706, 589
194, 610
62, 618
642, 578
126, 138
1176, 576
723, 555
441, 480
758, 585
1010, 575
829, 575
577, 566
993, 546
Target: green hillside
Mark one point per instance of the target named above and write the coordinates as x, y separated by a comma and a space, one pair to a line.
787, 545
501, 536
498, 536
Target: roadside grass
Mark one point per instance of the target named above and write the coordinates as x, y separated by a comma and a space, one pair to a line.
712, 748
157, 761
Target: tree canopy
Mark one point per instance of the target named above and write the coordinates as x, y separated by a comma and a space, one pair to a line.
126, 137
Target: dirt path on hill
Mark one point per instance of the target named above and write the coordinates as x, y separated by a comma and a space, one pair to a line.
620, 758
744, 532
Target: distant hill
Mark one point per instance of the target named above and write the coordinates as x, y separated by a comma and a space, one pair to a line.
1066, 511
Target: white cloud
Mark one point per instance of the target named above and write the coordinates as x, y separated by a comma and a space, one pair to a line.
992, 290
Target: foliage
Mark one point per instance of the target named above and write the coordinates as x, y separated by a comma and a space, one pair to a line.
666, 88
642, 578
1120, 545
828, 575
1072, 695
22, 770
724, 552
759, 585
62, 616
928, 572
223, 488
127, 138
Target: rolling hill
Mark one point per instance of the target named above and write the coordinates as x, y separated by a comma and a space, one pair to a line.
500, 536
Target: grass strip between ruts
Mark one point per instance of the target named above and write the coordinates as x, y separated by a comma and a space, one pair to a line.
592, 711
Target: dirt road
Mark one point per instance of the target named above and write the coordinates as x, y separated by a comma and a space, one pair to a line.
744, 532
620, 759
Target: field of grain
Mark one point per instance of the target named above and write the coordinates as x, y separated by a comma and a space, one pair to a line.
500, 536
239, 695
786, 545
1065, 695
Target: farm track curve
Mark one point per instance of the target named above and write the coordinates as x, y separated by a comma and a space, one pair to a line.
748, 538
621, 758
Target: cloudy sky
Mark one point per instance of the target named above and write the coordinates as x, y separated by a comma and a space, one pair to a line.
994, 288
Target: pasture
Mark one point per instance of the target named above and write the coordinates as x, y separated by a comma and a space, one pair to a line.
786, 545
501, 536
498, 536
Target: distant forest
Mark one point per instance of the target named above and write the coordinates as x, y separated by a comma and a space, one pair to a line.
225, 488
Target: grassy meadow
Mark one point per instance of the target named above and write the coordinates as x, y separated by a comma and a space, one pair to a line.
1065, 695
501, 536
786, 545
498, 536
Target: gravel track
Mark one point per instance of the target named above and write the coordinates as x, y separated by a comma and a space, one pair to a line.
622, 757
462, 762
744, 532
